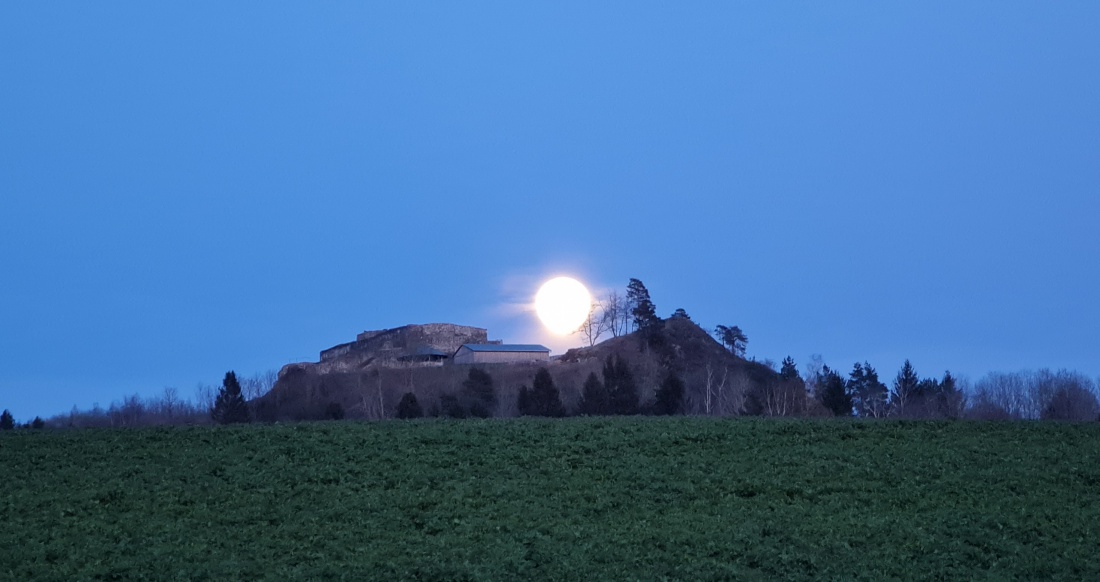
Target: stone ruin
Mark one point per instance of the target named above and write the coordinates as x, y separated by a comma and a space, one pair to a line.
427, 344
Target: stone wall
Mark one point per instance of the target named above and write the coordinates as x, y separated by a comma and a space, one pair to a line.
389, 345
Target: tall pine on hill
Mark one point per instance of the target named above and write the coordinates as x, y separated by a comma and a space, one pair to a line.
230, 406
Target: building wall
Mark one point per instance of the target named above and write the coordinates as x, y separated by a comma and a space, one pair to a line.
466, 356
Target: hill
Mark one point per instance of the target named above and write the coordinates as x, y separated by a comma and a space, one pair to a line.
371, 390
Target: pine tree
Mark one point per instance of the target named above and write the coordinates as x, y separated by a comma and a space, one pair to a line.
7, 421
789, 371
906, 388
868, 393
670, 396
480, 396
409, 407
544, 399
621, 389
833, 392
38, 422
595, 400
230, 406
642, 308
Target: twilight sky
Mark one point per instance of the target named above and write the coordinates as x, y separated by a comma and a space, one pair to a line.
206, 186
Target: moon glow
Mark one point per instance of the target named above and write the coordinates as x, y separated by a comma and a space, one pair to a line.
563, 304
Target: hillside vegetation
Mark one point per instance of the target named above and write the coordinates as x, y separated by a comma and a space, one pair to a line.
623, 498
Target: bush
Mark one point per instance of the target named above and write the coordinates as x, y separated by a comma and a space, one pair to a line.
409, 407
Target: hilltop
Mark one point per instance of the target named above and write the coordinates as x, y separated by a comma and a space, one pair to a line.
369, 387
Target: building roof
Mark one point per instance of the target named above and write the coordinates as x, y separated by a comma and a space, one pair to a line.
505, 347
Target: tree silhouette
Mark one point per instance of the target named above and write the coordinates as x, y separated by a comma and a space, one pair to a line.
230, 406
670, 396
409, 407
619, 382
7, 421
642, 308
833, 392
594, 397
543, 399
733, 338
479, 394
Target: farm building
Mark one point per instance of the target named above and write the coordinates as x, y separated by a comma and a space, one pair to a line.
500, 354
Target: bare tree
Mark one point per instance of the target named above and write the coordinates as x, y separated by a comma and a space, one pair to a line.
170, 403
615, 311
714, 388
594, 325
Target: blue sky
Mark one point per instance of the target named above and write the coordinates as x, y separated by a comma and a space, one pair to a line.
193, 188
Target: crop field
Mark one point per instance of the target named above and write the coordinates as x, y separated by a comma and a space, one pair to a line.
574, 499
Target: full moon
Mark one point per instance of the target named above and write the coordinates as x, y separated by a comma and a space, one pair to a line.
563, 304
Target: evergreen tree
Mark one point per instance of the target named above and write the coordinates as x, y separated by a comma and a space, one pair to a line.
7, 421
789, 371
833, 393
680, 314
595, 400
906, 389
480, 396
670, 395
544, 398
868, 393
642, 308
230, 406
949, 399
733, 338
619, 383
38, 422
409, 407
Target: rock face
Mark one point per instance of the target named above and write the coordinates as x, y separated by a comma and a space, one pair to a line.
427, 343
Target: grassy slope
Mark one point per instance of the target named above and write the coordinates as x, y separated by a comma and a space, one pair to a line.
564, 500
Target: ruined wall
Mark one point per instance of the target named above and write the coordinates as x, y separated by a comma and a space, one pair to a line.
388, 345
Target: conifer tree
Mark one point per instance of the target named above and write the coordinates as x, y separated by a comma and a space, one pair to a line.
480, 396
906, 388
7, 421
594, 397
543, 399
619, 382
788, 371
833, 392
409, 407
38, 422
670, 396
642, 308
230, 406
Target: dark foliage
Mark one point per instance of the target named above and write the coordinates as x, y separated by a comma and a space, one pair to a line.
670, 396
619, 383
451, 407
409, 407
543, 399
867, 392
833, 393
7, 421
680, 314
38, 422
334, 411
733, 338
595, 400
479, 396
230, 406
1073, 403
642, 308
789, 370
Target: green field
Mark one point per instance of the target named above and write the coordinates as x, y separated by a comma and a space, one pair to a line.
575, 499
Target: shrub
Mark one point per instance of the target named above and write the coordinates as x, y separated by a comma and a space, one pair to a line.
409, 407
